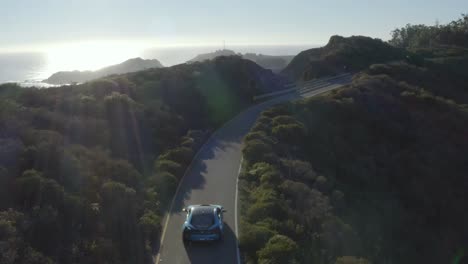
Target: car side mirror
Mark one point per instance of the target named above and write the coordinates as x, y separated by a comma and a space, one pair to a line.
224, 210
184, 209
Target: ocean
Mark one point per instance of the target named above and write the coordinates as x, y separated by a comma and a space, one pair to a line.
29, 69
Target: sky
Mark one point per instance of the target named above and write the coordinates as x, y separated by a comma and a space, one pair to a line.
40, 24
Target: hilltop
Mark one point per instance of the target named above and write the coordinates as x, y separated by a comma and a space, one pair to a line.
274, 63
341, 54
212, 55
131, 65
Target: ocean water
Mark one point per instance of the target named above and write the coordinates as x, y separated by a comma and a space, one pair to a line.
24, 68
29, 69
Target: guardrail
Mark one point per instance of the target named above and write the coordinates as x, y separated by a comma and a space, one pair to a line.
303, 86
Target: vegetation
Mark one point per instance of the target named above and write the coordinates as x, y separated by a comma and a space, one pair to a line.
343, 55
86, 171
366, 180
374, 172
454, 33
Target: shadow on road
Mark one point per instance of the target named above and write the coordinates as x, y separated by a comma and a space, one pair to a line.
214, 252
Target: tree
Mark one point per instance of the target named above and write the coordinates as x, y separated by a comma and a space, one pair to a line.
119, 210
122, 171
253, 237
150, 224
52, 193
257, 151
279, 249
290, 133
166, 184
174, 168
351, 260
10, 240
29, 188
182, 155
299, 170
5, 185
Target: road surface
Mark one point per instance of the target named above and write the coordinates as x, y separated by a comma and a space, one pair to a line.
212, 178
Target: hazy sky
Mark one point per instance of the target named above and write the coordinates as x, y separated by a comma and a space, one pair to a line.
38, 23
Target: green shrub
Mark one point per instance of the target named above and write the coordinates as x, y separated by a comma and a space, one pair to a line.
278, 250
150, 224
166, 185
174, 168
182, 155
257, 135
284, 120
253, 237
351, 260
299, 170
257, 151
291, 133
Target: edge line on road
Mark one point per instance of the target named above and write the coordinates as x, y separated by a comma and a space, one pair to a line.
235, 210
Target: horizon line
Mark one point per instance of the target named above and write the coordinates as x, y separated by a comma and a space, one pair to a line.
44, 48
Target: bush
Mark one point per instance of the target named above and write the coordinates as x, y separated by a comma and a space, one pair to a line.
322, 184
29, 186
351, 260
182, 155
291, 133
253, 237
278, 250
150, 224
170, 166
299, 170
166, 186
266, 203
284, 120
258, 135
257, 151
264, 173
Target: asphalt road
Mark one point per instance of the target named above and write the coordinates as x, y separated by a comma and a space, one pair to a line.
212, 179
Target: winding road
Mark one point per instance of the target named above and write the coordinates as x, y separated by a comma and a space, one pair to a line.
212, 178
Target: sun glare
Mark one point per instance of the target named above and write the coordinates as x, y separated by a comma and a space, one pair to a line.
89, 55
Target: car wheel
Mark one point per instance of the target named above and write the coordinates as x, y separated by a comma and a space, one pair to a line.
185, 238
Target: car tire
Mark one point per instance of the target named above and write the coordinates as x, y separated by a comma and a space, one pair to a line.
185, 238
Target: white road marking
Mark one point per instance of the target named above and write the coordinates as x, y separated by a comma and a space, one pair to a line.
235, 210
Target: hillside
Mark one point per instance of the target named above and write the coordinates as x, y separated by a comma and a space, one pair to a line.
87, 171
131, 65
274, 63
341, 55
373, 172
